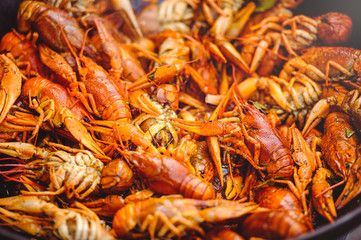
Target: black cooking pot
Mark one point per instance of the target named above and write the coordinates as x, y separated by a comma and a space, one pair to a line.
348, 224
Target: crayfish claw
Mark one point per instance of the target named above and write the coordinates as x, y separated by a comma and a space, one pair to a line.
140, 99
214, 150
10, 85
232, 54
228, 212
241, 19
211, 130
128, 14
204, 128
158, 75
21, 150
352, 187
79, 132
319, 111
205, 86
107, 206
323, 204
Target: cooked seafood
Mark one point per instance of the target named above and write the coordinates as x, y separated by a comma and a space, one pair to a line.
105, 113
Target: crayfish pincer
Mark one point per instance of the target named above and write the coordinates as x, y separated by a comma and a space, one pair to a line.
10, 85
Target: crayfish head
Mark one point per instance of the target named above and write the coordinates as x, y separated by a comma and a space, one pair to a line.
117, 176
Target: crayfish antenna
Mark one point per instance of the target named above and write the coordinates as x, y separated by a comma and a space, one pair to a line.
19, 169
330, 188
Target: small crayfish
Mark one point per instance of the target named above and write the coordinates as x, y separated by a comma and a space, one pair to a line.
46, 220
76, 174
54, 104
341, 150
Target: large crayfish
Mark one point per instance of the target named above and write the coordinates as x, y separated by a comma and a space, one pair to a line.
270, 150
170, 217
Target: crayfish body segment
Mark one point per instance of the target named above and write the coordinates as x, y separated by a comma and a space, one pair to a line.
276, 224
339, 149
324, 204
166, 175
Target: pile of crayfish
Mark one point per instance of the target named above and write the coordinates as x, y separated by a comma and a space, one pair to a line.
192, 119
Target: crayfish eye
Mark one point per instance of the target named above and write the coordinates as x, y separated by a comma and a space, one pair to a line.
325, 20
86, 119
